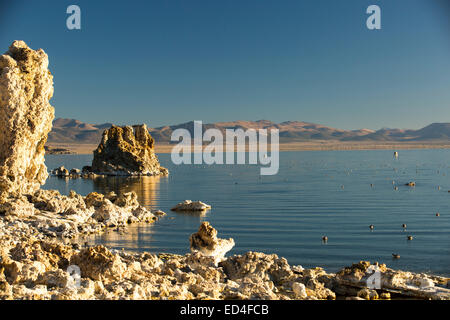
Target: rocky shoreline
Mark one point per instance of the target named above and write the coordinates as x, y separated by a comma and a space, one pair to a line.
37, 265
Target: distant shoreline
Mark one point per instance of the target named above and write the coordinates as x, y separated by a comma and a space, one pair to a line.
318, 145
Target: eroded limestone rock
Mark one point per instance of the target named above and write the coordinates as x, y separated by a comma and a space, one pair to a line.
258, 267
26, 86
189, 205
50, 214
206, 242
393, 281
127, 150
32, 268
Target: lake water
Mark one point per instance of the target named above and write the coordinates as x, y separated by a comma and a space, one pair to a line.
315, 193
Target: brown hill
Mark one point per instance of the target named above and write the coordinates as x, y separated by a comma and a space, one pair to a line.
71, 131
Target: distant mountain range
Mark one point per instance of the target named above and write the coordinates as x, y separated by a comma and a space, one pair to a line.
71, 131
74, 131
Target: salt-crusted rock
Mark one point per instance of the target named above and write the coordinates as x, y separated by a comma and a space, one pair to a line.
26, 86
98, 263
368, 294
141, 214
395, 281
60, 172
94, 199
206, 242
38, 269
55, 278
259, 267
126, 199
159, 213
127, 151
75, 171
73, 204
18, 206
115, 210
318, 284
110, 214
189, 205
55, 215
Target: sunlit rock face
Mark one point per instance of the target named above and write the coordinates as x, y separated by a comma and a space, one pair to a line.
206, 242
127, 150
26, 86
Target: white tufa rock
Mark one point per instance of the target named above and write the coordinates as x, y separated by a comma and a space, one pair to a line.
189, 205
206, 242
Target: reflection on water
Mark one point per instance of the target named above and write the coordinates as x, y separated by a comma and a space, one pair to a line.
132, 238
141, 237
146, 188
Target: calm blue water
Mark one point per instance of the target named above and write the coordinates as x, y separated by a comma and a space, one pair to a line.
315, 193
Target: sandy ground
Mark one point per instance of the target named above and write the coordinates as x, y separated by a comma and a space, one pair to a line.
295, 146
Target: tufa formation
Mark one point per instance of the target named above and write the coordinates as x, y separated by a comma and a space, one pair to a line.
205, 241
26, 86
127, 150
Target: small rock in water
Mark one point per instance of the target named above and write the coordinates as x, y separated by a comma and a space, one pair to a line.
410, 237
395, 256
86, 169
411, 184
189, 205
324, 238
371, 227
75, 171
60, 172
159, 213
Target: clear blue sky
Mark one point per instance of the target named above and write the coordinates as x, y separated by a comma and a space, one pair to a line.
167, 62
